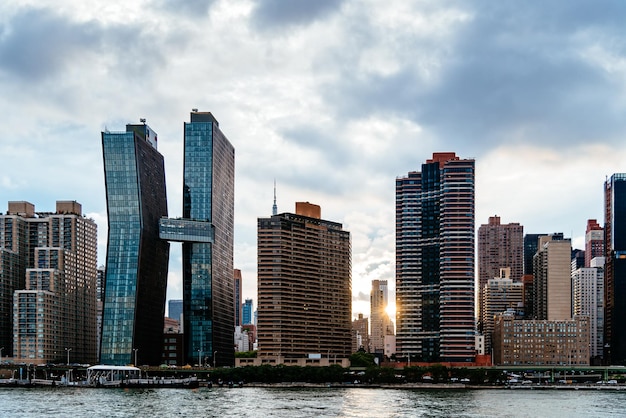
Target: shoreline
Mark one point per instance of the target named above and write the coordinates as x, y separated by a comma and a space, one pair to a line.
436, 386
176, 384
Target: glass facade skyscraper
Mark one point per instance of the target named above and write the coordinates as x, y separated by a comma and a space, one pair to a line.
208, 199
247, 309
435, 261
137, 260
175, 309
615, 269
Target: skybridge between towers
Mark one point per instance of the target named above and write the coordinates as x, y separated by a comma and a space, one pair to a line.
186, 230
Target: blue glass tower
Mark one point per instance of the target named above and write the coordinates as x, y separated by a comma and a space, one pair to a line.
247, 312
137, 260
175, 309
208, 198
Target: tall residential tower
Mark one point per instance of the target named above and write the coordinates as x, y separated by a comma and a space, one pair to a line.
594, 241
55, 308
139, 231
209, 199
499, 246
137, 260
381, 324
305, 288
435, 261
552, 286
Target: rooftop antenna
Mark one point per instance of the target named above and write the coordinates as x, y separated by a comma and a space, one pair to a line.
274, 207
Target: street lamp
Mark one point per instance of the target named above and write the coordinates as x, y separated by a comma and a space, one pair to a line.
135, 351
215, 359
1, 348
199, 361
68, 355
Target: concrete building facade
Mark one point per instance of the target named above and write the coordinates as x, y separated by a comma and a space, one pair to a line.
499, 295
588, 291
16, 235
304, 286
55, 314
499, 246
360, 334
594, 241
552, 284
381, 324
540, 342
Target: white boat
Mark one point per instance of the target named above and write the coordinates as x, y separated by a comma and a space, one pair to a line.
111, 376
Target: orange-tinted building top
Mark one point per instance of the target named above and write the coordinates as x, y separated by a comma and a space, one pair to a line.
308, 209
442, 158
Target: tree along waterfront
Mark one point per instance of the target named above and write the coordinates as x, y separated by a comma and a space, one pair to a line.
366, 374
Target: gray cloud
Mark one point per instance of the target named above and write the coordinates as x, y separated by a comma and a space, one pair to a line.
269, 14
36, 43
190, 8
512, 69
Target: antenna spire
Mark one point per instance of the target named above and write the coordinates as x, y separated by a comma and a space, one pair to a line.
274, 207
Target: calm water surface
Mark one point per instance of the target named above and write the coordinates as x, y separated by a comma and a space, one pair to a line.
350, 402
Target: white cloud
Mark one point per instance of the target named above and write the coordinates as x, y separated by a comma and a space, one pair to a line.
333, 100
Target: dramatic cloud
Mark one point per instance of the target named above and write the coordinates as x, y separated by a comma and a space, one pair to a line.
276, 13
332, 99
192, 8
36, 44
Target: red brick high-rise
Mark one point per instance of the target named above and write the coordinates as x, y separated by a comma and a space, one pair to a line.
499, 246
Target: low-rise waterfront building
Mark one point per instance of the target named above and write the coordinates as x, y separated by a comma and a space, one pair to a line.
540, 342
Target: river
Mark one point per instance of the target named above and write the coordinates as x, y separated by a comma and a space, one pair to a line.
315, 402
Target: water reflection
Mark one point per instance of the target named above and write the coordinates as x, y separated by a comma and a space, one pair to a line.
316, 402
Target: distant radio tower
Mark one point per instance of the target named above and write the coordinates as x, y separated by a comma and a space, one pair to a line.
274, 207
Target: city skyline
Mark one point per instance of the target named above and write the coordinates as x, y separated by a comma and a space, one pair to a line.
333, 100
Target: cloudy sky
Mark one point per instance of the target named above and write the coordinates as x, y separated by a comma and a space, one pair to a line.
332, 98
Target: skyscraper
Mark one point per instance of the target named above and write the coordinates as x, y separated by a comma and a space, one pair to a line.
499, 294
552, 283
435, 261
530, 249
208, 198
61, 288
137, 260
175, 309
247, 309
381, 324
615, 268
305, 293
588, 300
16, 235
48, 276
360, 334
594, 241
499, 246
